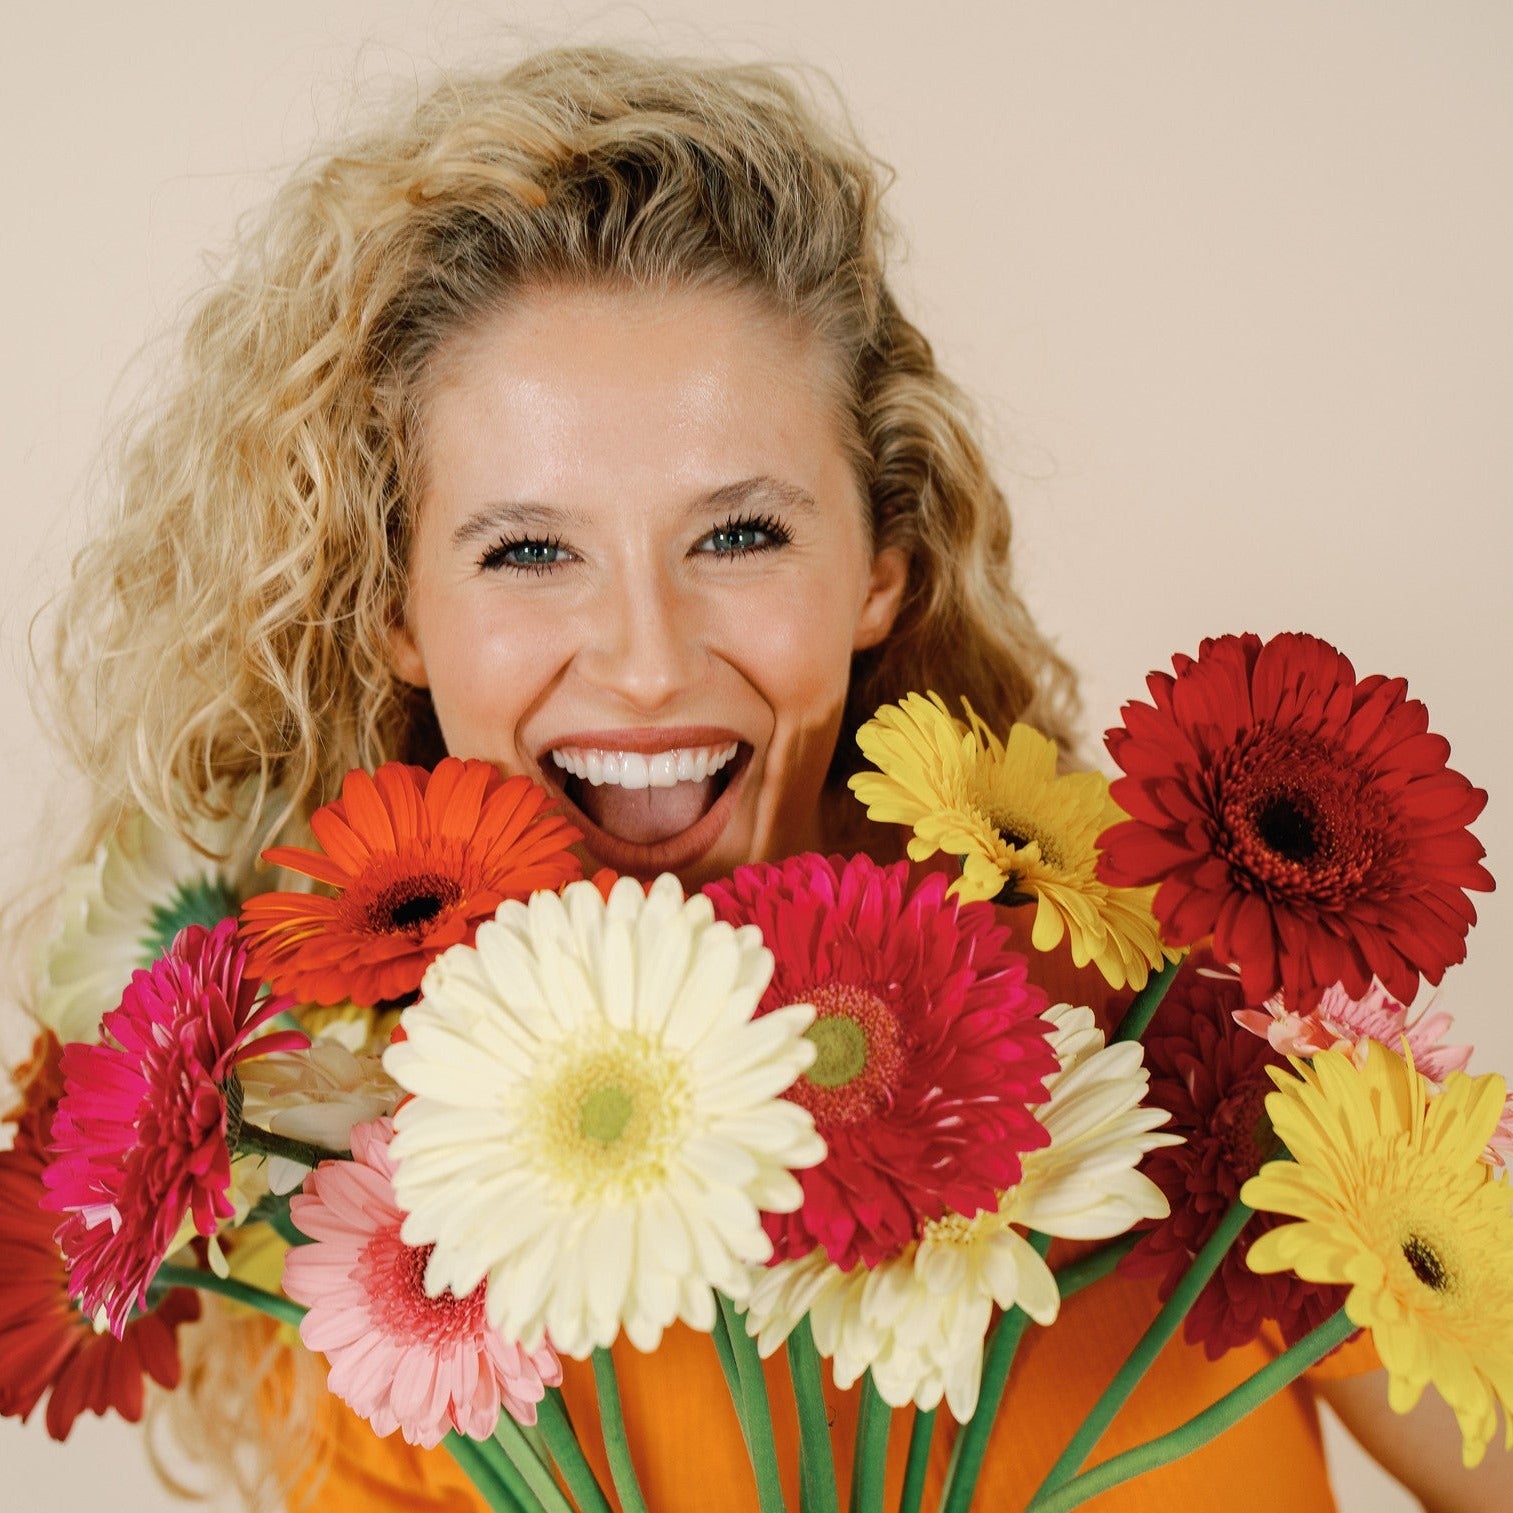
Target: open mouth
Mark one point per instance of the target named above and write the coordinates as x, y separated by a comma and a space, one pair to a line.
649, 811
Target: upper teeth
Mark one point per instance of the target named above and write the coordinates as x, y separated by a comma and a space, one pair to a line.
633, 769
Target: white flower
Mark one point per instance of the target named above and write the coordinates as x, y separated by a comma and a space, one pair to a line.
315, 1095
121, 909
597, 1120
918, 1320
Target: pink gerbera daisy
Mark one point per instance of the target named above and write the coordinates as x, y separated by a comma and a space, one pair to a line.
931, 1051
400, 1358
139, 1142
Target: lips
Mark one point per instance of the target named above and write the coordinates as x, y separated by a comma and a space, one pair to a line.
644, 856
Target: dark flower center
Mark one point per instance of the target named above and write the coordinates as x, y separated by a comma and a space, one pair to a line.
860, 1054
1283, 824
1426, 1263
410, 904
1297, 821
1243, 1128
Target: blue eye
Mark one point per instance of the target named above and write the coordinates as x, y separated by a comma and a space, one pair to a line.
524, 556
745, 537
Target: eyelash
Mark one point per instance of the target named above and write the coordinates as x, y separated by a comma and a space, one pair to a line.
497, 556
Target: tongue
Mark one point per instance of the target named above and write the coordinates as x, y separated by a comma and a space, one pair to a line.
645, 816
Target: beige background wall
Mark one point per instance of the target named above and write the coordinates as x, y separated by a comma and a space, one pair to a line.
1230, 281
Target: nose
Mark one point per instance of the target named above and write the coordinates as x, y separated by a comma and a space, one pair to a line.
644, 643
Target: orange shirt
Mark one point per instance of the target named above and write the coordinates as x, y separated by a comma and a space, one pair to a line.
690, 1456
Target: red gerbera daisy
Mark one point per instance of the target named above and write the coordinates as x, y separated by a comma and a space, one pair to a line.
1210, 1075
139, 1140
418, 860
1302, 817
931, 1053
45, 1342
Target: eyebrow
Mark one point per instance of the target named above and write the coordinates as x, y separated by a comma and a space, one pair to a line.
528, 515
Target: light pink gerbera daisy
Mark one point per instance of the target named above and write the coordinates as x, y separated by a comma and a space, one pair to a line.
140, 1140
399, 1358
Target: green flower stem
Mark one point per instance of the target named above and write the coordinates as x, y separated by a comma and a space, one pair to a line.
251, 1140
816, 1459
920, 1438
516, 1442
972, 1442
561, 1440
1202, 1427
482, 1470
720, 1334
616, 1442
1097, 1264
1147, 1001
869, 1466
1149, 1346
755, 1410
273, 1304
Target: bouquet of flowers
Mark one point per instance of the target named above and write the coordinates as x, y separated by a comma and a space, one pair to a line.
497, 1114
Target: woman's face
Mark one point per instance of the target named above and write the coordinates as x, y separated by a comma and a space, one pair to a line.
640, 568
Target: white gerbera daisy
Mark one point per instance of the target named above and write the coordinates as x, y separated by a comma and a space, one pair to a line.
918, 1320
597, 1121
120, 911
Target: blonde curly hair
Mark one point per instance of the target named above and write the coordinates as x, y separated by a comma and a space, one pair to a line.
227, 631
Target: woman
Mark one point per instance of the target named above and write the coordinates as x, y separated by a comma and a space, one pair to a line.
569, 423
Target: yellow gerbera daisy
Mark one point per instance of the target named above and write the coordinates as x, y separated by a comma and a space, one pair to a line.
1021, 829
1395, 1202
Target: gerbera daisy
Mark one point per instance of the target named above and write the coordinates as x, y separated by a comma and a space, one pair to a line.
930, 1051
1395, 1203
46, 1344
597, 1121
1212, 1078
1339, 1022
140, 1141
121, 910
918, 1320
400, 1358
417, 859
1021, 830
315, 1096
1302, 817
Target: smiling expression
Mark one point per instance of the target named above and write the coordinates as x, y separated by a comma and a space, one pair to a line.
639, 569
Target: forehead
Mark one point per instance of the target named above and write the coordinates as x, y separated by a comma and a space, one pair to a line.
684, 386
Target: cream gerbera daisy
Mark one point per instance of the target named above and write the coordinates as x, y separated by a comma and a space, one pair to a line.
1021, 829
918, 1321
1395, 1202
597, 1121
120, 911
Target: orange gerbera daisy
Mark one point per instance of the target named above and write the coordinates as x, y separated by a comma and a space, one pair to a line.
418, 860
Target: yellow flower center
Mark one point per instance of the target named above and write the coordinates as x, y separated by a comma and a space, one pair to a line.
611, 1118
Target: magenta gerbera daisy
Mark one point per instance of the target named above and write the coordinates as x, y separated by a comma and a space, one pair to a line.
1301, 816
399, 1357
1210, 1075
931, 1049
139, 1142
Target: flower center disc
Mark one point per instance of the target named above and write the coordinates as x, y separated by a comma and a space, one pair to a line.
1427, 1265
842, 1047
605, 1113
1244, 1130
861, 1055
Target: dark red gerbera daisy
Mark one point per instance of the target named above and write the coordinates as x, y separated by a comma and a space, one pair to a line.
140, 1137
1302, 817
46, 1344
931, 1051
1210, 1075
419, 859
